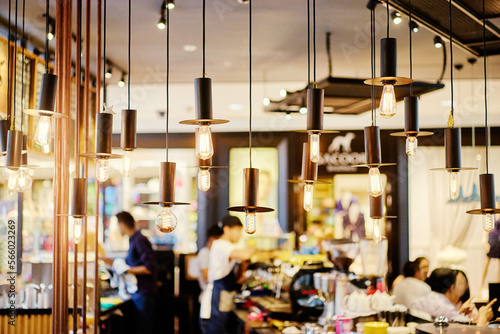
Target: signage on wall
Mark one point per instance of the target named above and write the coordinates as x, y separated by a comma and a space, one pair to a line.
340, 157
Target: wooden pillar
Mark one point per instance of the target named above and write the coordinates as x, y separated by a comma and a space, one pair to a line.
61, 167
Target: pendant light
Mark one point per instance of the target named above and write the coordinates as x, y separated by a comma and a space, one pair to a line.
166, 221
46, 106
129, 116
487, 180
14, 137
104, 132
250, 175
388, 73
377, 215
453, 136
204, 118
315, 95
5, 123
412, 129
372, 132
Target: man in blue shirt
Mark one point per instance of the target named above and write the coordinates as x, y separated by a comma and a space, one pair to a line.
141, 260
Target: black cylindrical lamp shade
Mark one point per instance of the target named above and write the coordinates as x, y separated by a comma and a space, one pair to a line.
104, 132
128, 136
48, 92
309, 168
453, 148
79, 198
4, 130
388, 57
204, 163
203, 97
14, 149
250, 186
487, 191
372, 145
411, 114
376, 207
315, 103
24, 152
167, 182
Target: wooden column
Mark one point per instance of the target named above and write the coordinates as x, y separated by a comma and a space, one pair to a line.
61, 167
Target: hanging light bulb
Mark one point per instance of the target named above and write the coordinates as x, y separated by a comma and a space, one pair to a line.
24, 181
387, 106
454, 188
314, 146
102, 169
127, 163
203, 179
43, 133
377, 233
488, 222
166, 221
375, 187
77, 230
11, 176
308, 196
46, 148
411, 145
204, 145
250, 222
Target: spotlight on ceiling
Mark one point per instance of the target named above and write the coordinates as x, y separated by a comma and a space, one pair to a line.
162, 22
396, 17
52, 28
303, 110
121, 83
266, 101
372, 4
414, 26
109, 71
438, 42
243, 1
169, 4
283, 93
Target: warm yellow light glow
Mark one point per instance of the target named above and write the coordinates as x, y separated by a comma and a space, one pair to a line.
43, 132
24, 181
488, 222
203, 179
377, 232
250, 222
102, 169
454, 187
204, 145
411, 145
166, 221
11, 176
308, 196
387, 106
314, 146
375, 187
77, 230
127, 163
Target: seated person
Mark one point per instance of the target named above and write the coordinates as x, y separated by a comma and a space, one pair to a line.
423, 266
411, 287
448, 286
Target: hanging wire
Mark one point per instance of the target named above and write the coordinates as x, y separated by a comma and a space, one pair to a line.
486, 129
388, 18
47, 20
9, 100
451, 60
22, 68
13, 126
411, 50
372, 61
308, 44
168, 77
314, 41
250, 79
104, 56
204, 73
129, 38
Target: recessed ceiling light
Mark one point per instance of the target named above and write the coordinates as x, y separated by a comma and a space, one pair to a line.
236, 106
190, 48
266, 101
283, 92
303, 110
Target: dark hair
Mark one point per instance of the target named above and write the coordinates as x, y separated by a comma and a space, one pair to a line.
410, 269
231, 221
126, 218
442, 279
214, 231
420, 259
466, 296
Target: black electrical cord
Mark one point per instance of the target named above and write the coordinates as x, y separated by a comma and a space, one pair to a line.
129, 40
15, 69
22, 67
314, 41
486, 129
388, 18
204, 73
47, 23
168, 77
451, 60
308, 44
250, 79
104, 56
411, 44
372, 61
9, 99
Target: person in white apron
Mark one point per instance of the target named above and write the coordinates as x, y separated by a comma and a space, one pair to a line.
217, 300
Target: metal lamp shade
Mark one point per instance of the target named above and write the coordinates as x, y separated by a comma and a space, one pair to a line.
128, 136
453, 151
203, 98
250, 192
79, 198
377, 208
487, 194
309, 168
14, 149
166, 196
372, 145
47, 103
412, 127
4, 129
104, 133
315, 103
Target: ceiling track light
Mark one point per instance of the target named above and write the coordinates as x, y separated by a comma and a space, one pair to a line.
487, 180
414, 26
169, 4
121, 83
108, 68
162, 21
438, 42
396, 17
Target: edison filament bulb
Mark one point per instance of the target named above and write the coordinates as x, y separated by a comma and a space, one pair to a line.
102, 169
127, 163
308, 196
488, 222
203, 179
314, 146
43, 133
377, 232
166, 221
375, 187
77, 230
453, 183
204, 145
250, 222
411, 145
11, 176
387, 106
24, 180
